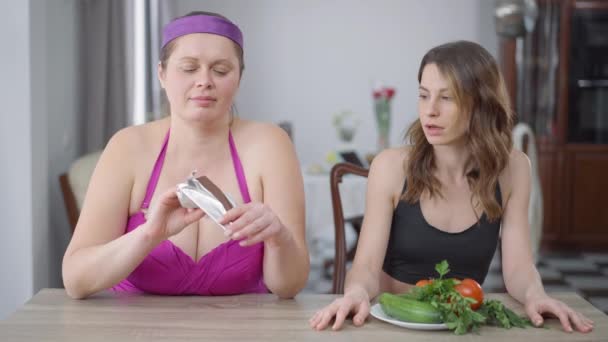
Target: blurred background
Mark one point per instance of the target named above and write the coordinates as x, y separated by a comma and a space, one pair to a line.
76, 71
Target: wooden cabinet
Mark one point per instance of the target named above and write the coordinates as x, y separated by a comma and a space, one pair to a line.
587, 170
571, 129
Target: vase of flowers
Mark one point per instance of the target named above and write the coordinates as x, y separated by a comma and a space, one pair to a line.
382, 109
346, 123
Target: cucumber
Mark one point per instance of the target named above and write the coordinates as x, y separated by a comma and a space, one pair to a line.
407, 295
409, 310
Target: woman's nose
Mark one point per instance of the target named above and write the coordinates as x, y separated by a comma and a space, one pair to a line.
430, 108
204, 80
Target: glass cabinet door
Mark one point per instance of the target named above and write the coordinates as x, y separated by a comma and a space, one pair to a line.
588, 77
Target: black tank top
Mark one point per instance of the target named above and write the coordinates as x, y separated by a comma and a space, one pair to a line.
414, 246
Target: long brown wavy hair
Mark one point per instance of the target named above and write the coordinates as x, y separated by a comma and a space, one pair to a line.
479, 89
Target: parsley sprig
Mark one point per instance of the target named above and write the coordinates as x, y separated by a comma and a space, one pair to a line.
497, 314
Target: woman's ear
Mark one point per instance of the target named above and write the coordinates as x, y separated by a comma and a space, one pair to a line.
161, 75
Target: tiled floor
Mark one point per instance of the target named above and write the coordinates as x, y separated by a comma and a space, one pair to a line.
585, 273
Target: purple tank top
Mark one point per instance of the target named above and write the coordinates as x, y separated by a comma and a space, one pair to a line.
227, 269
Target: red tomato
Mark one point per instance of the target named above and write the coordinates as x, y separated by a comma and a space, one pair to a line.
423, 282
471, 289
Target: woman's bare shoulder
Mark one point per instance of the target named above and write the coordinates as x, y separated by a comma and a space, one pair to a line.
392, 161
255, 139
263, 148
260, 132
515, 172
130, 148
132, 141
388, 169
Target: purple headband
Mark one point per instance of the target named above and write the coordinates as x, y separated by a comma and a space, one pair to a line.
201, 24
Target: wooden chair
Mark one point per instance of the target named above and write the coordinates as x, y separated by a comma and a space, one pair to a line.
337, 172
74, 185
69, 200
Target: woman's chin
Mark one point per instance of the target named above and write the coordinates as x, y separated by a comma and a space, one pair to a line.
436, 140
445, 141
202, 115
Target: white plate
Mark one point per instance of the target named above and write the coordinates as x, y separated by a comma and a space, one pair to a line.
376, 311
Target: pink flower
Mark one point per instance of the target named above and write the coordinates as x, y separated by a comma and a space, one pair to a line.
386, 93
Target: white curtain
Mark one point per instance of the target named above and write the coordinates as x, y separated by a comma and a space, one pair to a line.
148, 100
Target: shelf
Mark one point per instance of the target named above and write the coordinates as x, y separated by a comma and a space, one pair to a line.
592, 83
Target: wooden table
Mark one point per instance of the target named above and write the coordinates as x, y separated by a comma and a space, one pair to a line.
52, 316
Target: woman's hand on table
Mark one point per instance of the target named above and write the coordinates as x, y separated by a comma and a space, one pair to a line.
356, 303
543, 304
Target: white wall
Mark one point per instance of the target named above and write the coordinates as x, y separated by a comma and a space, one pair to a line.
40, 160
16, 146
37, 136
60, 63
54, 105
306, 60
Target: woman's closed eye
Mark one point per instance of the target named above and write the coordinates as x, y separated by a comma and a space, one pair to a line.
189, 68
220, 71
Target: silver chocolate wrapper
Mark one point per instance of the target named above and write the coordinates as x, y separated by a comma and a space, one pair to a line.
193, 194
